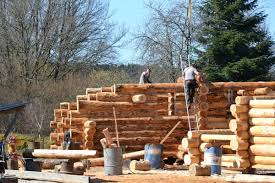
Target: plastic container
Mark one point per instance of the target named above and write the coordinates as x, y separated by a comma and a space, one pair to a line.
153, 153
212, 157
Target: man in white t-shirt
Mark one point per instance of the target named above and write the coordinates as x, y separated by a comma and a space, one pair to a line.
189, 75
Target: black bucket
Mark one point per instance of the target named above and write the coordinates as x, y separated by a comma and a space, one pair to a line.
67, 167
32, 165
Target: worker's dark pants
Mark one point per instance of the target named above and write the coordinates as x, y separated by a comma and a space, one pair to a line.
190, 86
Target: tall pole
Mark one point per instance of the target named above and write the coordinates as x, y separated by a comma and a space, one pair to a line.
189, 24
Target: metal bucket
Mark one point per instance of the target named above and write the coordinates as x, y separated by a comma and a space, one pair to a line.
31, 165
212, 157
12, 164
153, 153
113, 161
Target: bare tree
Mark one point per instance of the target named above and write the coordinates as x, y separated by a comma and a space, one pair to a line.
164, 38
46, 39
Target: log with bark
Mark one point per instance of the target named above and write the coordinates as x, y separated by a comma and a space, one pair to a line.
199, 170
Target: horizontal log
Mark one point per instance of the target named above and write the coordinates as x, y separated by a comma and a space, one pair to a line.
237, 163
237, 144
217, 125
96, 106
242, 154
229, 158
73, 106
261, 113
63, 154
91, 96
190, 143
235, 125
263, 167
262, 121
239, 108
242, 100
148, 88
64, 105
211, 137
240, 85
262, 150
199, 170
197, 134
264, 160
92, 90
241, 116
264, 104
262, 131
216, 119
262, 140
262, 91
189, 159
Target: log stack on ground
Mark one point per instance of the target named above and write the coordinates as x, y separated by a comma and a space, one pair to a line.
262, 134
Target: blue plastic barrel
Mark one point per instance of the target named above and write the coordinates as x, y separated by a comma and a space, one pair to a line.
212, 157
113, 161
153, 154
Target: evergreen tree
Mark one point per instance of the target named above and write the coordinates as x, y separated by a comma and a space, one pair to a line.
235, 45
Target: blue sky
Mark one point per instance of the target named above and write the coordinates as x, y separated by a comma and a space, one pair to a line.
132, 13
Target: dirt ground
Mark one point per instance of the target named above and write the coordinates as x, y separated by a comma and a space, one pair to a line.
153, 176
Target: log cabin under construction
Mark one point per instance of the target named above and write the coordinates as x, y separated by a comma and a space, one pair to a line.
238, 116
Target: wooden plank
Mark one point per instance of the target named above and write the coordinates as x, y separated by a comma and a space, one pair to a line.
54, 177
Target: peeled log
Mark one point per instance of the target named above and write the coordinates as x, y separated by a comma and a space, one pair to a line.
262, 113
264, 160
148, 88
237, 144
211, 137
139, 165
262, 150
241, 85
203, 89
229, 158
140, 98
100, 161
262, 131
241, 116
262, 91
63, 154
264, 104
189, 159
239, 108
189, 143
91, 96
203, 106
235, 125
262, 140
202, 98
193, 151
242, 154
264, 167
89, 124
262, 122
216, 125
242, 100
216, 119
199, 170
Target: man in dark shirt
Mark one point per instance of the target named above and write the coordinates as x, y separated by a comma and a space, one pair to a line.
144, 78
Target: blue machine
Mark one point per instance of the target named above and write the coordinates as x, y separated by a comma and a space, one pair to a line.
4, 109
